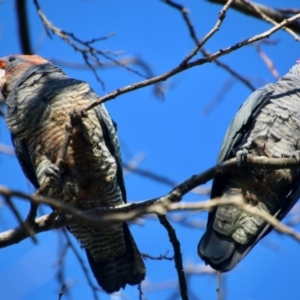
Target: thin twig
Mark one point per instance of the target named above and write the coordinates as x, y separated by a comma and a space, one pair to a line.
217, 26
82, 264
177, 256
270, 20
160, 257
183, 220
24, 33
219, 293
267, 61
227, 85
185, 14
189, 65
61, 267
88, 51
232, 72
7, 150
237, 201
61, 293
140, 291
26, 227
277, 15
160, 178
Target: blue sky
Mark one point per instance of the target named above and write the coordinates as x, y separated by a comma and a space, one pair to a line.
173, 136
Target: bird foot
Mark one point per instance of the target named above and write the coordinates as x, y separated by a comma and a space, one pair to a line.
78, 114
241, 156
56, 219
60, 219
53, 172
32, 214
296, 155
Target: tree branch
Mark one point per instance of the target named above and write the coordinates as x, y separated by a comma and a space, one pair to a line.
177, 256
200, 44
270, 65
84, 268
185, 15
274, 14
89, 52
160, 206
189, 65
264, 17
22, 19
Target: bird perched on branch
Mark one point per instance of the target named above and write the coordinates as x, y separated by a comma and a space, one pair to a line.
267, 124
39, 99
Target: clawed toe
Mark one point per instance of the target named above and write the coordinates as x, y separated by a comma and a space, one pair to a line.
241, 156
53, 172
296, 155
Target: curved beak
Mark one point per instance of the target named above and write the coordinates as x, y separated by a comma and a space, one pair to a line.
2, 64
2, 75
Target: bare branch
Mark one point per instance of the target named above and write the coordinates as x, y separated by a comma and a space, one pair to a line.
24, 225
274, 14
177, 256
227, 85
18, 234
7, 150
218, 289
189, 65
217, 26
86, 48
185, 15
61, 292
160, 206
160, 178
22, 19
160, 257
103, 65
270, 20
267, 61
83, 266
140, 291
61, 268
237, 201
183, 219
232, 72
46, 223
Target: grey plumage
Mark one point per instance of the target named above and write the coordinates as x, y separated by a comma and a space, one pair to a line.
267, 124
39, 97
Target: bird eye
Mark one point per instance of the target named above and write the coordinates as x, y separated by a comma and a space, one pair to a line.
11, 59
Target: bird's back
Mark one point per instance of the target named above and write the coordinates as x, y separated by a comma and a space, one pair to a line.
270, 129
92, 173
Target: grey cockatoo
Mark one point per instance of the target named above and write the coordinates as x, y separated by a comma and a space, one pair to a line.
39, 97
267, 124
